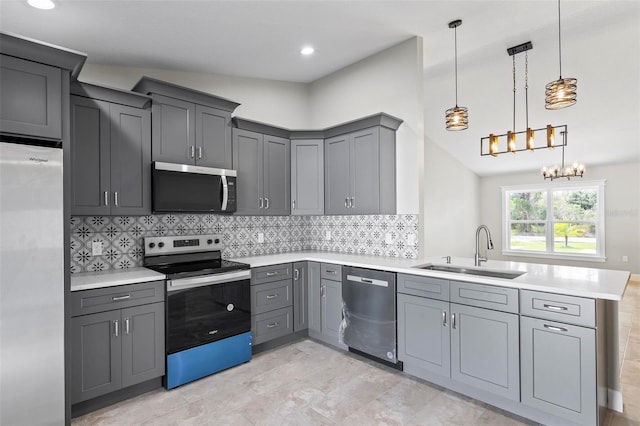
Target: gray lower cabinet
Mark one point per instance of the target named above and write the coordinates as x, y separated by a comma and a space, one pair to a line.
272, 302
263, 165
331, 310
110, 158
485, 350
303, 273
115, 349
307, 177
31, 101
325, 302
423, 333
558, 363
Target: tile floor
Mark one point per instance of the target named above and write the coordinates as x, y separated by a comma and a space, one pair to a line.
307, 383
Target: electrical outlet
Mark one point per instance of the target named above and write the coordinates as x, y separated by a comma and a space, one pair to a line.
260, 237
96, 248
625, 258
327, 235
388, 238
411, 239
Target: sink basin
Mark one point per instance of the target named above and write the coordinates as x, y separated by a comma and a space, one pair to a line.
509, 275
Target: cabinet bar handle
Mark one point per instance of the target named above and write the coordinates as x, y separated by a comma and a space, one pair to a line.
115, 198
193, 151
273, 324
272, 296
293, 205
444, 318
266, 200
322, 291
555, 308
116, 298
346, 202
271, 274
353, 202
296, 274
126, 326
260, 203
106, 198
115, 327
453, 321
554, 328
199, 152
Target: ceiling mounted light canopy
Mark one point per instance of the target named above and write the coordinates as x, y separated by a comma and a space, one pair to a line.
562, 92
457, 118
42, 4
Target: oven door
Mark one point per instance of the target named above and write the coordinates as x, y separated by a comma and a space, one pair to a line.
204, 309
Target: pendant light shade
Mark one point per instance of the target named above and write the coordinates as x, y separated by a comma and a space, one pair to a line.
562, 92
457, 118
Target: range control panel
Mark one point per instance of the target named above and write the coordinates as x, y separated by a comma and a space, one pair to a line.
154, 246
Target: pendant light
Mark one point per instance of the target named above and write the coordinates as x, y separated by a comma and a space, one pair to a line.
560, 93
457, 118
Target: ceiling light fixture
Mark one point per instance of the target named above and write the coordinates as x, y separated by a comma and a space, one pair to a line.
562, 172
42, 4
307, 50
457, 118
560, 93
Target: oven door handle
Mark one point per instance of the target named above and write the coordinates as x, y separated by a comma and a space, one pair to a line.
202, 281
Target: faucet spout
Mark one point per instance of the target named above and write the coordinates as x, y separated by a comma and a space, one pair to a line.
479, 259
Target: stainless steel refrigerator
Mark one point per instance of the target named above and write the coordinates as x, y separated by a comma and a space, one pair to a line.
32, 387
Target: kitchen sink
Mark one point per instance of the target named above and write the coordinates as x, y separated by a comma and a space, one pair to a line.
509, 275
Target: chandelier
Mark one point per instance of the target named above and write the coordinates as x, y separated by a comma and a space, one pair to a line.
562, 172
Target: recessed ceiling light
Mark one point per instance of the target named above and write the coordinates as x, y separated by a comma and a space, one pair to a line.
307, 50
42, 4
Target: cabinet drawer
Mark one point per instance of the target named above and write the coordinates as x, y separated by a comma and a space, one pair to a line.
271, 273
105, 299
557, 307
269, 296
329, 271
270, 325
416, 285
485, 296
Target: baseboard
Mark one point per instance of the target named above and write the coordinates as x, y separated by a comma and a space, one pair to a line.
84, 407
635, 277
614, 398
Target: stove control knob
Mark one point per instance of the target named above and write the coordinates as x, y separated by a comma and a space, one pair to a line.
217, 241
209, 241
152, 245
160, 245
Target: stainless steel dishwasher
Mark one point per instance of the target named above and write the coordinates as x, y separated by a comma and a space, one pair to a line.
369, 309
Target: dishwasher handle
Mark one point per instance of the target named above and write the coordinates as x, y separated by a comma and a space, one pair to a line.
369, 281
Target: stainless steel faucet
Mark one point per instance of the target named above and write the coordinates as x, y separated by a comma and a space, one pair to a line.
479, 259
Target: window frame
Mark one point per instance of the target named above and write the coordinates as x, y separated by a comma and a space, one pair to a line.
549, 189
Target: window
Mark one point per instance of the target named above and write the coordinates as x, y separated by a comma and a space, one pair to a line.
559, 220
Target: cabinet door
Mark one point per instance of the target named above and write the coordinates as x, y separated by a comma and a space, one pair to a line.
300, 296
142, 343
90, 157
31, 101
307, 177
277, 185
331, 310
130, 160
315, 297
95, 355
173, 138
337, 183
365, 172
247, 161
559, 369
485, 350
213, 137
423, 333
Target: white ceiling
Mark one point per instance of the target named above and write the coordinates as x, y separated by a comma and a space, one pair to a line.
261, 39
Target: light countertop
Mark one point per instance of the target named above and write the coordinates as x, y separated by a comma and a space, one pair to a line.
585, 282
113, 277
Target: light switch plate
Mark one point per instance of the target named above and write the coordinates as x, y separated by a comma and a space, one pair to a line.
327, 235
411, 239
260, 237
388, 238
96, 248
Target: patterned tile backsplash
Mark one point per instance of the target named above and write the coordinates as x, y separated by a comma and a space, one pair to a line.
122, 237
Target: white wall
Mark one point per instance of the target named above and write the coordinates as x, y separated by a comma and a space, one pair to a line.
622, 217
278, 103
391, 82
451, 204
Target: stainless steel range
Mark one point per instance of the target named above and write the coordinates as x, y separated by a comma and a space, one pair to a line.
208, 309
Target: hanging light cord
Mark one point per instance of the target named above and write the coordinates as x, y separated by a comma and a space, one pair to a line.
526, 87
455, 38
559, 42
514, 93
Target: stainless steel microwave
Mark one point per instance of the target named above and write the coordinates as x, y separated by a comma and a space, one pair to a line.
187, 188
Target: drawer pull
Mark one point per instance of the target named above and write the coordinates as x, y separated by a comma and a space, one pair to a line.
444, 318
296, 274
554, 328
272, 296
555, 308
271, 274
116, 298
331, 272
273, 324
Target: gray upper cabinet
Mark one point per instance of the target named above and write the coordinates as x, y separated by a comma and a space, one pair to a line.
31, 101
110, 153
307, 177
263, 165
189, 126
359, 168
